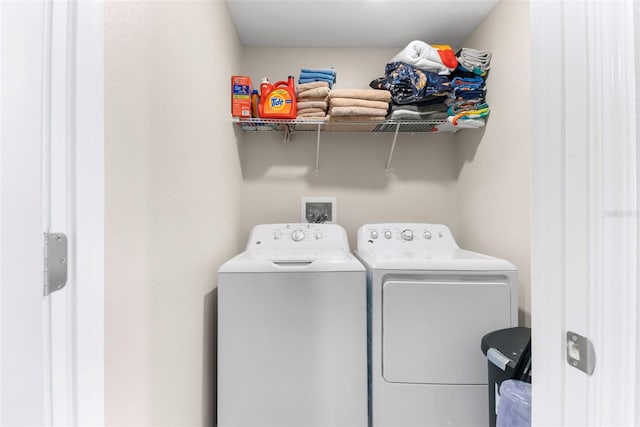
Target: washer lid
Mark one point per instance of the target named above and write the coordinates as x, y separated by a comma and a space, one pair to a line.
288, 260
456, 259
412, 246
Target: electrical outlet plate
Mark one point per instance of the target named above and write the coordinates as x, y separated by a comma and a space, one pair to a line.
319, 209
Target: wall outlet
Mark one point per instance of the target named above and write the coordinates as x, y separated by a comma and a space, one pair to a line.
319, 209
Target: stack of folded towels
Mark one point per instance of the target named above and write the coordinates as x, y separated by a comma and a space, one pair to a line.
308, 75
311, 100
358, 105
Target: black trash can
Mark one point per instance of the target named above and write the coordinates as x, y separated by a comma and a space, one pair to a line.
508, 354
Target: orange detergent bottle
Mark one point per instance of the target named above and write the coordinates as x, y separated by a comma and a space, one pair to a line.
278, 101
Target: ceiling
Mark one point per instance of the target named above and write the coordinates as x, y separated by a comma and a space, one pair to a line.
356, 23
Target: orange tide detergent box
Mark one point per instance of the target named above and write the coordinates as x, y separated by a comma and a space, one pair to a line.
241, 96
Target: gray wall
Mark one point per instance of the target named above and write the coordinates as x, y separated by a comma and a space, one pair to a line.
421, 187
172, 178
176, 170
494, 183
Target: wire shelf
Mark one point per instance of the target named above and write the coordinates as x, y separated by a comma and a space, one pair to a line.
313, 125
320, 126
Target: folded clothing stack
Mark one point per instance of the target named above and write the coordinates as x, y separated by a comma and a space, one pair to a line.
308, 75
468, 115
430, 82
358, 105
466, 88
410, 85
312, 100
474, 61
424, 111
467, 104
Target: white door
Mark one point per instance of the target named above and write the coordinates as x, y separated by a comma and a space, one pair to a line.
585, 243
51, 167
22, 306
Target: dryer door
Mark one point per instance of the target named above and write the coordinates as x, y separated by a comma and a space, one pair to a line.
431, 330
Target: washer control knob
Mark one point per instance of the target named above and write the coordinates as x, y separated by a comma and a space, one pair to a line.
387, 234
427, 234
277, 235
407, 234
297, 235
374, 234
318, 235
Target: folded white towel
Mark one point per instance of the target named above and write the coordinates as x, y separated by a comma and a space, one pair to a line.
311, 85
354, 102
317, 92
311, 110
371, 94
311, 104
357, 111
420, 55
472, 58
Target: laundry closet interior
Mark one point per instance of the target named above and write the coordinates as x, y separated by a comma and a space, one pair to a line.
185, 185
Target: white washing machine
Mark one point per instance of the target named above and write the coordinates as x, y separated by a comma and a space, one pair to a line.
430, 305
292, 330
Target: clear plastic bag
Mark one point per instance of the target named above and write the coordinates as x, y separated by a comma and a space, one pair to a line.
515, 404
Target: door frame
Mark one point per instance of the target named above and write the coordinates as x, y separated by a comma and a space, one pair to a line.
585, 191
86, 154
52, 350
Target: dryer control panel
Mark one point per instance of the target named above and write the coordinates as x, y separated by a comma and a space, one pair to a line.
389, 236
298, 236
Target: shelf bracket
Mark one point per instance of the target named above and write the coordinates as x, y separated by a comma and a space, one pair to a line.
317, 171
287, 132
393, 147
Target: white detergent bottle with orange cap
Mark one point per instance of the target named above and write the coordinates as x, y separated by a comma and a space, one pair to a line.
278, 101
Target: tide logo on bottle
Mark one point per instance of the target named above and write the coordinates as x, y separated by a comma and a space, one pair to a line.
279, 100
276, 102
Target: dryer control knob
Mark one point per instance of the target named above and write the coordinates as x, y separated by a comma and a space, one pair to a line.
374, 234
387, 234
318, 235
407, 234
427, 234
297, 235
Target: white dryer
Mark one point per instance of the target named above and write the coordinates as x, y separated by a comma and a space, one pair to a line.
292, 331
430, 305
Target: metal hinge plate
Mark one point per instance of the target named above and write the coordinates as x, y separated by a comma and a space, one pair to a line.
55, 262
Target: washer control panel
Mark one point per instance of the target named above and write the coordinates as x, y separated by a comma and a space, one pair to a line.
405, 236
298, 236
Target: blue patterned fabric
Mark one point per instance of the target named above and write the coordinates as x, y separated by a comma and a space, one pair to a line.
409, 85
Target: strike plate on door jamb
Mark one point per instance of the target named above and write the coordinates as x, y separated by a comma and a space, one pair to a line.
580, 353
55, 262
